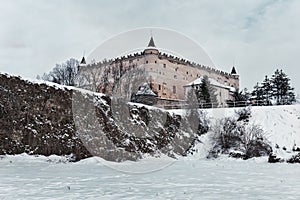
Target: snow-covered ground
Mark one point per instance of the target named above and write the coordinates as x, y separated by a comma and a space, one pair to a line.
28, 177
192, 177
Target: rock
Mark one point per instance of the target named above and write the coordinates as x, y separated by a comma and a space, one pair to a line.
237, 155
38, 119
294, 159
274, 159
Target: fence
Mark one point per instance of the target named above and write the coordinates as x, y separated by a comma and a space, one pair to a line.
230, 104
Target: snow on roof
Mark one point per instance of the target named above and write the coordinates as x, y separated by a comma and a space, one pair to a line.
212, 82
145, 90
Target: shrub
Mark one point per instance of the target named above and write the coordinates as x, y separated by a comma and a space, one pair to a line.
236, 134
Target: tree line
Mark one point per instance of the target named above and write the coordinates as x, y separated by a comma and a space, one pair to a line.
273, 90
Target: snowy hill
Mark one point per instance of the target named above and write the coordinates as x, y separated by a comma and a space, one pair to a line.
281, 125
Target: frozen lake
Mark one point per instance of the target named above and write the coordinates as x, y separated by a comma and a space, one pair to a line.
24, 177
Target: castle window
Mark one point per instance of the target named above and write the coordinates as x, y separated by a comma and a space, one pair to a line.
174, 89
187, 72
176, 69
155, 61
164, 65
146, 61
159, 87
175, 76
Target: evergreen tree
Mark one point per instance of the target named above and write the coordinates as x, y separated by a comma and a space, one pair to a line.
266, 91
205, 93
240, 98
257, 94
282, 91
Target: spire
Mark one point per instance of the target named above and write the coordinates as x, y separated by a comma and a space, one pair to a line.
233, 71
151, 42
83, 61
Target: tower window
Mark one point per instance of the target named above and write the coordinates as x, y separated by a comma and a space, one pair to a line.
155, 61
174, 89
187, 72
146, 61
175, 76
164, 65
159, 87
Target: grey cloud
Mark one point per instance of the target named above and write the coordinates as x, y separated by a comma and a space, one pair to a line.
256, 35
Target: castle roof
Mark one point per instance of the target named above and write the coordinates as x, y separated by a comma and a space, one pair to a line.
151, 42
212, 81
233, 71
83, 60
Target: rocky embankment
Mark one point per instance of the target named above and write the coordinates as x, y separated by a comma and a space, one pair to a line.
44, 119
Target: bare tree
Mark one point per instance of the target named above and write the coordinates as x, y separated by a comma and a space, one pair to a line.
63, 74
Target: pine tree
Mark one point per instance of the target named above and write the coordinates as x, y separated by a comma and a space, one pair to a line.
205, 93
240, 98
257, 94
282, 91
266, 91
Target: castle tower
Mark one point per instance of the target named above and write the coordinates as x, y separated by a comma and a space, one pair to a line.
233, 71
236, 76
82, 63
151, 48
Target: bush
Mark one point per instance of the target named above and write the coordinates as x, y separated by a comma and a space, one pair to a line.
236, 134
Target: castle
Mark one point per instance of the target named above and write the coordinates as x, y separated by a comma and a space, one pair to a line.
169, 77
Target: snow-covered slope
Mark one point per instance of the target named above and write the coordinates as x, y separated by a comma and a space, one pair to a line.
282, 126
280, 123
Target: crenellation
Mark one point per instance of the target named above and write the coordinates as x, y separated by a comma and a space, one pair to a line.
170, 77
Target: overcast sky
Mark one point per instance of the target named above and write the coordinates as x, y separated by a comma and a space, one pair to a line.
257, 36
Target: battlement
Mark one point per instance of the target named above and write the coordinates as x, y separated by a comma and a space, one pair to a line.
161, 55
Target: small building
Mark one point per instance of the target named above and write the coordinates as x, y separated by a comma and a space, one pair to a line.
223, 92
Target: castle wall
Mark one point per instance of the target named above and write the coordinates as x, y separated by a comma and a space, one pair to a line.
167, 74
